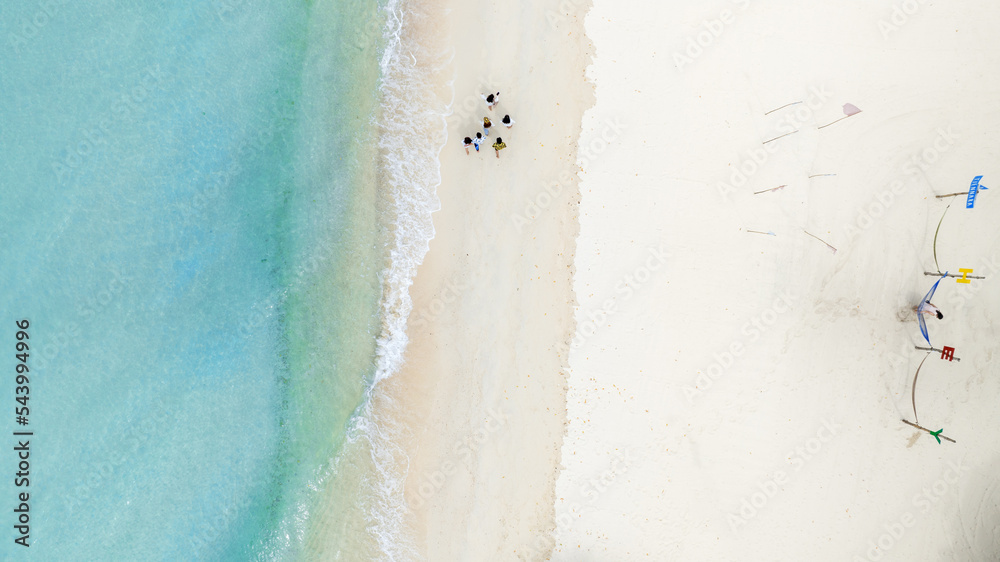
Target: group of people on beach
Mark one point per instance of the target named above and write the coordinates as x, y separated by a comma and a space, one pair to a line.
491, 101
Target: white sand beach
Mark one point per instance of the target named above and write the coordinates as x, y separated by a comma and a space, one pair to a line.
743, 401
483, 387
728, 394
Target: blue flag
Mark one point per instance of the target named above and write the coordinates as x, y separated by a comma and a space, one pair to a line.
973, 191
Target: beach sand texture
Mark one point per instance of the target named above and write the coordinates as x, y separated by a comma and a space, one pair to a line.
744, 402
730, 395
483, 388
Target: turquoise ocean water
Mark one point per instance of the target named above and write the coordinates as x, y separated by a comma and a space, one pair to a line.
211, 236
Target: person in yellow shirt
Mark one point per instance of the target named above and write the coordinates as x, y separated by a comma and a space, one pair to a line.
498, 146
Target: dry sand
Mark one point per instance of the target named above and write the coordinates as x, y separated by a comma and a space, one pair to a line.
743, 401
731, 395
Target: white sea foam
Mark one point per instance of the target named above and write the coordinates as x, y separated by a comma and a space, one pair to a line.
412, 132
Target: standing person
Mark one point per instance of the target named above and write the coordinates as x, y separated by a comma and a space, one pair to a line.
478, 140
498, 146
507, 121
486, 126
466, 144
491, 100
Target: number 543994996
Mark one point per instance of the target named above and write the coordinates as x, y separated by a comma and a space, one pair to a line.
21, 391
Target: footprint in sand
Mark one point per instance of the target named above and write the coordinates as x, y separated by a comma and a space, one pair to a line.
905, 314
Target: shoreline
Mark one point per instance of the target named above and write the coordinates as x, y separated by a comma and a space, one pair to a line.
482, 389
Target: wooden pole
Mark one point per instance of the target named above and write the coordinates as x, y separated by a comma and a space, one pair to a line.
929, 349
772, 189
928, 431
776, 138
913, 393
821, 240
939, 274
838, 120
782, 107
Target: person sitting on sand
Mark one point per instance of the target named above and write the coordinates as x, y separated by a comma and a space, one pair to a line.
466, 143
486, 126
931, 310
507, 121
498, 146
491, 100
478, 140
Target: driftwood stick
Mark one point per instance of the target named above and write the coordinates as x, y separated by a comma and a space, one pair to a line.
929, 431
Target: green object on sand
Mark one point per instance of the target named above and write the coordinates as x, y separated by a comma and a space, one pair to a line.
937, 434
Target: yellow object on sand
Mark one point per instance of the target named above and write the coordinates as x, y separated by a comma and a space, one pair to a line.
499, 145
